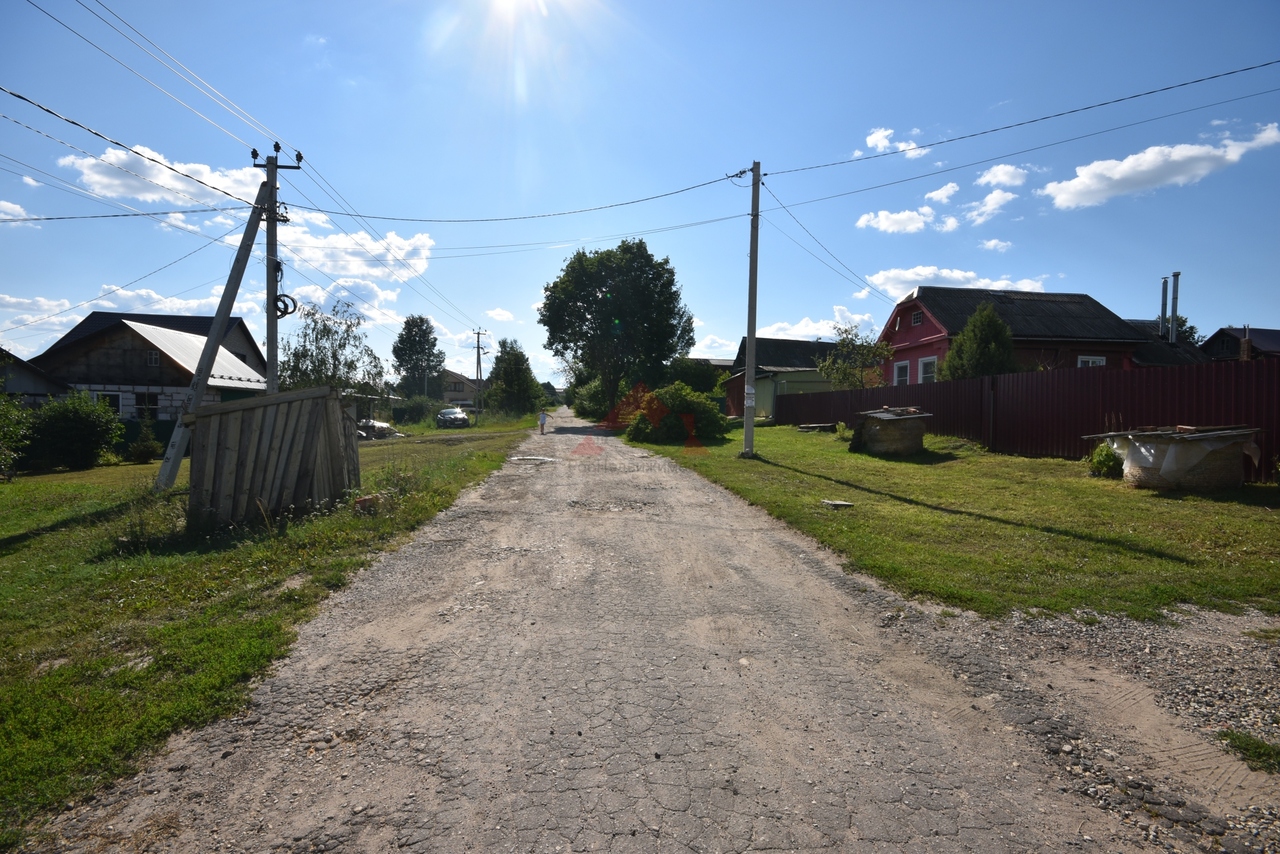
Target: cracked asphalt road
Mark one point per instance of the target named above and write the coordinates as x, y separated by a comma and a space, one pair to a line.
598, 650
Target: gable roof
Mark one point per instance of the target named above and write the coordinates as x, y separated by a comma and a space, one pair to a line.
191, 324
780, 353
1264, 340
12, 365
1073, 317
185, 349
1157, 352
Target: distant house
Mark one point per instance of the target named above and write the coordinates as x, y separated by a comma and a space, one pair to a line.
1158, 352
23, 380
460, 389
144, 369
1228, 344
1050, 331
783, 366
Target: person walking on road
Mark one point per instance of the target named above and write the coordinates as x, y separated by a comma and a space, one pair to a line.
542, 422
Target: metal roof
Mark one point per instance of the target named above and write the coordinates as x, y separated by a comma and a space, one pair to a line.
185, 349
97, 321
780, 353
1070, 317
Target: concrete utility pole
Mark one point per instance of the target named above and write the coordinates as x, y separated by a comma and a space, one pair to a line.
749, 370
275, 269
200, 379
479, 382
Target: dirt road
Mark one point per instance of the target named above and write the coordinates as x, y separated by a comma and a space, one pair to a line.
597, 650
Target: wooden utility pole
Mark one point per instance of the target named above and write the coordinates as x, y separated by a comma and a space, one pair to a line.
275, 269
200, 379
479, 381
749, 369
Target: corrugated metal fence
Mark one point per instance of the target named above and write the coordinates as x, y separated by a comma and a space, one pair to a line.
1044, 414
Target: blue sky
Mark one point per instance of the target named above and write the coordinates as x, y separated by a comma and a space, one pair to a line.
512, 108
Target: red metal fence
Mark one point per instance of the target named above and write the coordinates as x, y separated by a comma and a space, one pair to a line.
1044, 414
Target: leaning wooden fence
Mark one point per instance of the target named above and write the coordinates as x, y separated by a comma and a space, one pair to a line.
265, 457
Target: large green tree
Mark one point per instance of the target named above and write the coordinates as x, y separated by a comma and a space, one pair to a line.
983, 348
856, 360
330, 349
513, 387
617, 312
419, 361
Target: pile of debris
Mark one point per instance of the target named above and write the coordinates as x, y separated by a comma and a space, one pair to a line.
1201, 459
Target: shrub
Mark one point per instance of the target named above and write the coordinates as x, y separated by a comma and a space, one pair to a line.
590, 402
416, 410
670, 414
15, 432
1104, 462
72, 433
145, 448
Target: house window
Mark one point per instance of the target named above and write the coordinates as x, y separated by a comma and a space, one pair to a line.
917, 318
146, 405
455, 387
1091, 361
153, 358
929, 370
113, 400
901, 373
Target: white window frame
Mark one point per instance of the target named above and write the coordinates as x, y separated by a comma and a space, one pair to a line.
1091, 361
153, 358
917, 317
932, 375
905, 375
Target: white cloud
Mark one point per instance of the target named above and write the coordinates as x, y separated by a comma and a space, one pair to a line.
368, 298
537, 306
980, 212
1157, 166
996, 245
31, 182
808, 329
878, 139
948, 223
713, 347
501, 314
1003, 175
897, 283
152, 182
903, 222
357, 254
146, 300
37, 304
942, 195
697, 323
912, 150
862, 294
9, 210
857, 152
1219, 123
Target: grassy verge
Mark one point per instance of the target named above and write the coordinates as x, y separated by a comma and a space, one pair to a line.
118, 629
1257, 754
995, 533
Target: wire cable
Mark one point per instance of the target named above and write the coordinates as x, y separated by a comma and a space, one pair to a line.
115, 216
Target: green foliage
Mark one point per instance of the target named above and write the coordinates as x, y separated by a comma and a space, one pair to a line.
1187, 332
330, 350
550, 396
514, 388
417, 410
677, 413
983, 348
145, 448
856, 360
72, 433
15, 432
697, 374
1104, 462
418, 358
618, 313
1259, 755
590, 401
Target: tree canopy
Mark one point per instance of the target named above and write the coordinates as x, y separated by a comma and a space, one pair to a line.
329, 349
856, 360
618, 313
418, 358
983, 348
513, 387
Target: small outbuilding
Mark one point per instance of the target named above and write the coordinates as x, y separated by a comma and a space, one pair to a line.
890, 430
1198, 459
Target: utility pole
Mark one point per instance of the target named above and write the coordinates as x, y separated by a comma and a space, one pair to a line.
276, 308
749, 369
479, 382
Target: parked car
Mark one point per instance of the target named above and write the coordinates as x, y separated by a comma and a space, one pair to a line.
370, 429
452, 417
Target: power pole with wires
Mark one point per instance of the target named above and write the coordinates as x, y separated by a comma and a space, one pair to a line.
278, 305
749, 369
479, 381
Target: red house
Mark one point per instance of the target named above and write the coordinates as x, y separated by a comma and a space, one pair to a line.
1050, 331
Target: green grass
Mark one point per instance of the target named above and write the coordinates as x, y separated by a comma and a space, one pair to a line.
993, 533
1258, 754
117, 628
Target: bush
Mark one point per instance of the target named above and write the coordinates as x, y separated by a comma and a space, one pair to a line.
72, 433
145, 448
1104, 462
589, 401
677, 413
15, 432
416, 410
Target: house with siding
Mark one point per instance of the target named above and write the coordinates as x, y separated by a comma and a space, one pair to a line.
30, 385
783, 366
1228, 343
1050, 331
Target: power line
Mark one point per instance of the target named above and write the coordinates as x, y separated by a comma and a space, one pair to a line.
117, 216
1034, 121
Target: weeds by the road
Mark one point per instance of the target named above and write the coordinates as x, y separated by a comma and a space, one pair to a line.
118, 628
1258, 754
995, 533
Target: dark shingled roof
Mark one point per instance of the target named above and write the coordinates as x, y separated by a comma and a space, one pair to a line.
783, 353
100, 320
1071, 317
1265, 341
1157, 352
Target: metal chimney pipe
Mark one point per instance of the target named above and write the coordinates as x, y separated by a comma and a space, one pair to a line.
1173, 314
1164, 308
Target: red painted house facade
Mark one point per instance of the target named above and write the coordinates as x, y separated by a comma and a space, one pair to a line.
1050, 331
